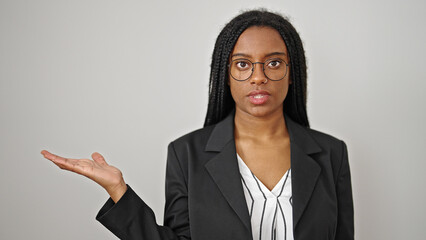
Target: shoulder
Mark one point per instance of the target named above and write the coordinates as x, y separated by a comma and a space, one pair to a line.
190, 147
332, 144
323, 138
333, 147
198, 137
312, 139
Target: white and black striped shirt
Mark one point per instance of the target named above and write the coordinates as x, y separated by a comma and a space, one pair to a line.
270, 211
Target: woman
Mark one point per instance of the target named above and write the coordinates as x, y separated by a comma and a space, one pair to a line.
256, 170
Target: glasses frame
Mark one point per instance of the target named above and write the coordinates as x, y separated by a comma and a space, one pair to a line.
252, 68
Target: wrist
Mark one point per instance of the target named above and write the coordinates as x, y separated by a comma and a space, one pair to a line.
117, 191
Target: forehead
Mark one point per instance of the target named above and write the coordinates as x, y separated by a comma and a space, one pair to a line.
256, 41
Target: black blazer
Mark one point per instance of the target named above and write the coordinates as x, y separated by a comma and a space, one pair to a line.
205, 198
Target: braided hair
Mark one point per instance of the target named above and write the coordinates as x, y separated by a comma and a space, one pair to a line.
221, 102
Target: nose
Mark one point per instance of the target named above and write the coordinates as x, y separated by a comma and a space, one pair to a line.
258, 77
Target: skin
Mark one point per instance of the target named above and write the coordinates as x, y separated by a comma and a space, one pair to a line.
97, 169
261, 135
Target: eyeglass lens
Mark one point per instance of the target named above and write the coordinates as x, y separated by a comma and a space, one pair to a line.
242, 69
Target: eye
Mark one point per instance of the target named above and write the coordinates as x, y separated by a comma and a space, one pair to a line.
242, 65
275, 63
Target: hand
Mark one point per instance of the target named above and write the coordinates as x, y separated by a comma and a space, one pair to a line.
109, 177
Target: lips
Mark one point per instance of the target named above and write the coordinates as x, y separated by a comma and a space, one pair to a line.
258, 97
259, 92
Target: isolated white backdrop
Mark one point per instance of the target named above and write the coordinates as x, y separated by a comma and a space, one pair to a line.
125, 78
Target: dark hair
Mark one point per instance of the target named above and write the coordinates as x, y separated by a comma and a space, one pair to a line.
221, 102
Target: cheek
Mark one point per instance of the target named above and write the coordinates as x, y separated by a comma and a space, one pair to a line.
237, 91
234, 92
282, 92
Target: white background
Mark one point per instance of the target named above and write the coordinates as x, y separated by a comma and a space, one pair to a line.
125, 78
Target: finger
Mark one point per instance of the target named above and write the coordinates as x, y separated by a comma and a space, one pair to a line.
53, 157
44, 153
98, 158
61, 162
80, 166
48, 155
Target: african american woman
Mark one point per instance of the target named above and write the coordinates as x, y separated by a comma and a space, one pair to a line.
256, 170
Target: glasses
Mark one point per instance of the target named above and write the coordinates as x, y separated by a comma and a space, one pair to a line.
242, 69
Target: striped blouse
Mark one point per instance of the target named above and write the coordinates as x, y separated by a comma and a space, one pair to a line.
270, 211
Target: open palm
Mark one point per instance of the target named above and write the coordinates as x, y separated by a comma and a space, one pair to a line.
109, 177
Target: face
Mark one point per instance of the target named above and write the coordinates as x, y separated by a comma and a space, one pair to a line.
258, 95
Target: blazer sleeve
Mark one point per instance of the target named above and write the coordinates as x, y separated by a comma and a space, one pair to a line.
345, 223
132, 218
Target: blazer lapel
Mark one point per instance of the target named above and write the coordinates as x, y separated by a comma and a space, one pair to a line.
224, 169
304, 169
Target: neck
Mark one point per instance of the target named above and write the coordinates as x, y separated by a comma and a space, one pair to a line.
260, 128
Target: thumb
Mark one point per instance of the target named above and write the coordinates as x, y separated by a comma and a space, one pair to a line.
98, 158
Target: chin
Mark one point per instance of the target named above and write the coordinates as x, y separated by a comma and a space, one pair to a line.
260, 111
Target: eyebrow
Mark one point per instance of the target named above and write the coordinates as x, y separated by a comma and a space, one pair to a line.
267, 55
